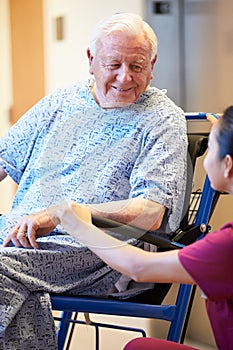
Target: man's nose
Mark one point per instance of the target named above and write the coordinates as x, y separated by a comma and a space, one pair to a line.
124, 74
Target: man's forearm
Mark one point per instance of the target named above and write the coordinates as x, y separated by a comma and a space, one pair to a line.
137, 212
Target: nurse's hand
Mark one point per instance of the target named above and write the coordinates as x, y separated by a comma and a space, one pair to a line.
213, 118
74, 218
30, 227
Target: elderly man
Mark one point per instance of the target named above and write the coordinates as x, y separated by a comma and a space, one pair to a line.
113, 143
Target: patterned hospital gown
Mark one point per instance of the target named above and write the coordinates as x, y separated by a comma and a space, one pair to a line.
68, 148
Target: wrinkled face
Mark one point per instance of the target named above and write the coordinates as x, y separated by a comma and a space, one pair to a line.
122, 69
214, 166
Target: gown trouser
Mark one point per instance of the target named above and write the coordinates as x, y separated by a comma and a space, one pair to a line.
27, 276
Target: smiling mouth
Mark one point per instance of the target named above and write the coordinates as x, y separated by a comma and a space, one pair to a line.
122, 90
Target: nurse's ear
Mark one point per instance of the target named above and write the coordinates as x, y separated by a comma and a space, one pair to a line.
228, 166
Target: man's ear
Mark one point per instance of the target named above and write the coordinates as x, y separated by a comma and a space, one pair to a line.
153, 61
152, 65
90, 59
228, 163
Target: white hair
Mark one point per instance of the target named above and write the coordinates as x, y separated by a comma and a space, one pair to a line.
127, 23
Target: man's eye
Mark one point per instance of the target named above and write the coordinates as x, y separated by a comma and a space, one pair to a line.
112, 66
136, 68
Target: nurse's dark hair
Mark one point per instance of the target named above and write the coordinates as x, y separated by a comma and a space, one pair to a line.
225, 133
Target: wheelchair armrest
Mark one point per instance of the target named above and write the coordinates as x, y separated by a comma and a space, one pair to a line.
178, 239
129, 231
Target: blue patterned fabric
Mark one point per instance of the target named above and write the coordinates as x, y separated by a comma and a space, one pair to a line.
67, 147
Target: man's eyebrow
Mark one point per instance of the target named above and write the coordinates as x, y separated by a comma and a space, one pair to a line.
139, 60
136, 59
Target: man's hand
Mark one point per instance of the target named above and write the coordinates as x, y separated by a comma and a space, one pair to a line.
30, 227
